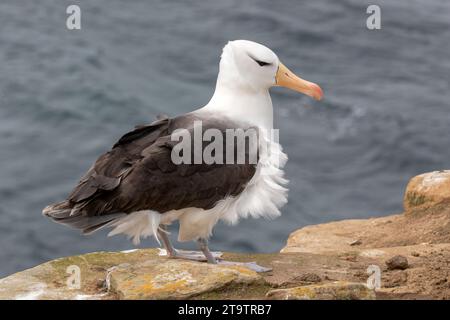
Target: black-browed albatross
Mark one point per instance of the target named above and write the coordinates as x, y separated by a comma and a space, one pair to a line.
137, 189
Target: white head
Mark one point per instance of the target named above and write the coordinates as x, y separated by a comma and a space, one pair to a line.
247, 71
248, 65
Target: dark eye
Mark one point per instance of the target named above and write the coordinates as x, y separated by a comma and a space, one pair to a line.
262, 63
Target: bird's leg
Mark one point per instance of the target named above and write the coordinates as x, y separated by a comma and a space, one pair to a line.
162, 234
173, 253
203, 244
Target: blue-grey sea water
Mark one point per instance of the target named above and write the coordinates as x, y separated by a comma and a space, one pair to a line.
67, 96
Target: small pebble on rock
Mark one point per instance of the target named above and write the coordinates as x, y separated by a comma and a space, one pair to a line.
397, 263
356, 242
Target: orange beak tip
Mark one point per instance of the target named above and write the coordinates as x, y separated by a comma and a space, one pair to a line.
317, 92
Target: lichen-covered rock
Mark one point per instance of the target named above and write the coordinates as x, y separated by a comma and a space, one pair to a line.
133, 274
143, 274
339, 290
427, 189
176, 279
71, 278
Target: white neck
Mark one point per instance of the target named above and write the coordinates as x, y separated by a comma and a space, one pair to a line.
242, 103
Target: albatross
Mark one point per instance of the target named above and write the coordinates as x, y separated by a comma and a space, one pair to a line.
138, 189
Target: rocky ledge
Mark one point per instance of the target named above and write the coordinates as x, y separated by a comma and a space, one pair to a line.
403, 256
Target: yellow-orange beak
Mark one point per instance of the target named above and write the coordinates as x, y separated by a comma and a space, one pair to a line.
286, 78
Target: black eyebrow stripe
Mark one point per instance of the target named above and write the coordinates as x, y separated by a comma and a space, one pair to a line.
261, 63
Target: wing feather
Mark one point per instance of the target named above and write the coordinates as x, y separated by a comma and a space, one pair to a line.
138, 174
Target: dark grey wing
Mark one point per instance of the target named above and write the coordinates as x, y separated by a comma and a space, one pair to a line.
110, 168
138, 174
103, 178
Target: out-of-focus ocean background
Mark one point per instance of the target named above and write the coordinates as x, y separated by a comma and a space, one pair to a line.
66, 96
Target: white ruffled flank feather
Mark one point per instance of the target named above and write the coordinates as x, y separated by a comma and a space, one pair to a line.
264, 195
